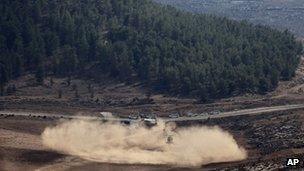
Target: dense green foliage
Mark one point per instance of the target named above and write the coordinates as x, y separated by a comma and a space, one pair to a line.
178, 52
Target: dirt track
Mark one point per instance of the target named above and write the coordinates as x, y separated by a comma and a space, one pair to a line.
253, 111
21, 147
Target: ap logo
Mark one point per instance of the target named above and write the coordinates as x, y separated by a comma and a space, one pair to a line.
293, 162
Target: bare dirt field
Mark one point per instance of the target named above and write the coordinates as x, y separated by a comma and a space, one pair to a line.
269, 139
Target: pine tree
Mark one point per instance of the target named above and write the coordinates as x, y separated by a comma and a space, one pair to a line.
170, 50
39, 75
60, 92
3, 78
51, 81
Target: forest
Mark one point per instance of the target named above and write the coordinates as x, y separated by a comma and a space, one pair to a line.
171, 51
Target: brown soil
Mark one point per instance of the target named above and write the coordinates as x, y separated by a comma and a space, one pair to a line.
268, 138
21, 147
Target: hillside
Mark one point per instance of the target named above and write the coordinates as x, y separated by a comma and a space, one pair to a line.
167, 49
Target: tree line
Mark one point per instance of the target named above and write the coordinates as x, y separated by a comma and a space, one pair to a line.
172, 51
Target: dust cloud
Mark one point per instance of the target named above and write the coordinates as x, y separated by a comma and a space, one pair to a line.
136, 144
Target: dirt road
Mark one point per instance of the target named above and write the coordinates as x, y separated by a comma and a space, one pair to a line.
254, 111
